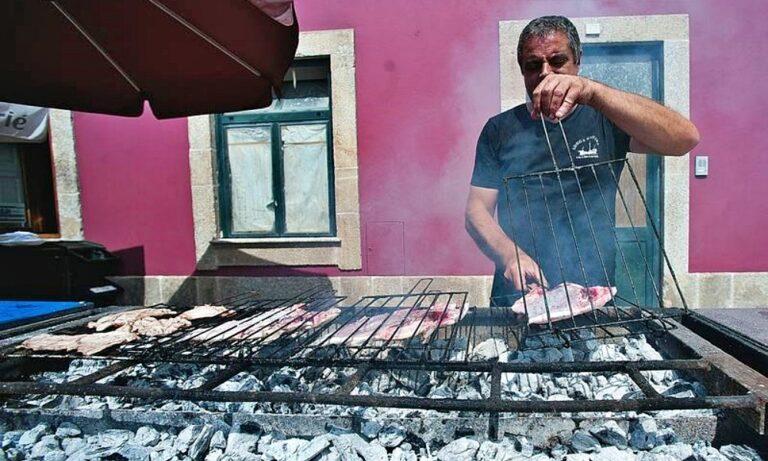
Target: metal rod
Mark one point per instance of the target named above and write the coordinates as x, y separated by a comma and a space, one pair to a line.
517, 406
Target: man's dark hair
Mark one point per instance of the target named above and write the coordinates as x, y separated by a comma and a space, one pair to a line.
546, 25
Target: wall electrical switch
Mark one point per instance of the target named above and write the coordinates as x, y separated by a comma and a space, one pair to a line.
593, 28
701, 166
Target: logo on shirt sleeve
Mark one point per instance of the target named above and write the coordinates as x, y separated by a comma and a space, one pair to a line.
586, 148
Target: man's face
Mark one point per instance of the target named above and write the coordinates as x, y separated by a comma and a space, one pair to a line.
546, 55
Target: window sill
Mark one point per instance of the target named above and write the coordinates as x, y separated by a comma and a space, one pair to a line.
301, 251
274, 241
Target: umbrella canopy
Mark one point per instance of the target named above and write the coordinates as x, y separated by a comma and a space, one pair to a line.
185, 57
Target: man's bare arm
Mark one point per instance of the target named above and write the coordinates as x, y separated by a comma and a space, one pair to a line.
653, 127
494, 243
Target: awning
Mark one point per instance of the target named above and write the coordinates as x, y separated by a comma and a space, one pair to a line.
185, 57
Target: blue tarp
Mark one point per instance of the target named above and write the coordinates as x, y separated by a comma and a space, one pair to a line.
13, 311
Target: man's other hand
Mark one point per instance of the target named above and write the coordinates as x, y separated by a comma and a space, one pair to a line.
556, 95
532, 274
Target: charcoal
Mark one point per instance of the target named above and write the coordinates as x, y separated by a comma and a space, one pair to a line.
215, 454
68, 429
468, 392
611, 434
462, 449
314, 448
680, 451
200, 444
703, 452
33, 436
367, 451
147, 436
135, 452
11, 439
489, 349
284, 449
370, 428
72, 444
613, 454
683, 389
218, 440
46, 444
414, 380
398, 454
241, 442
391, 436
607, 352
583, 442
56, 455
12, 454
558, 452
739, 453
523, 446
643, 434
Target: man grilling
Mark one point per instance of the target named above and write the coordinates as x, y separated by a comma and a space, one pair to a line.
559, 226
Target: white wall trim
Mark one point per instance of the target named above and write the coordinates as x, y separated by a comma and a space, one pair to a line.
66, 178
346, 251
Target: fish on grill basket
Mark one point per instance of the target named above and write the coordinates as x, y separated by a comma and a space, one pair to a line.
582, 299
87, 344
267, 326
206, 311
120, 319
399, 325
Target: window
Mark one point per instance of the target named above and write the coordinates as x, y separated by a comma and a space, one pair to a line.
276, 163
27, 200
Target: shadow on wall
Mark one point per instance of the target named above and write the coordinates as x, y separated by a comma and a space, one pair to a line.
212, 287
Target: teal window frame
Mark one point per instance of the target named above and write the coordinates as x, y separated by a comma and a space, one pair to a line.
275, 121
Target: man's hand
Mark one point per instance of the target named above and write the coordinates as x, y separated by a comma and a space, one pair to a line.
558, 93
532, 274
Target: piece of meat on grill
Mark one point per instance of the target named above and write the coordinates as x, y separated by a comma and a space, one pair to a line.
206, 311
96, 342
120, 319
150, 326
293, 322
403, 325
399, 325
563, 301
218, 333
51, 343
267, 326
87, 344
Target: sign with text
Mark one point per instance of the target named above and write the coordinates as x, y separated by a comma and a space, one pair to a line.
20, 123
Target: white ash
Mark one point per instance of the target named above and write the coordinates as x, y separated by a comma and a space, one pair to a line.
205, 442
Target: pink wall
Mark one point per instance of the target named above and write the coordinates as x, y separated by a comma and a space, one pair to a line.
427, 79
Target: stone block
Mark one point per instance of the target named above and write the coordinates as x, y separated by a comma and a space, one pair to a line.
347, 200
750, 290
715, 290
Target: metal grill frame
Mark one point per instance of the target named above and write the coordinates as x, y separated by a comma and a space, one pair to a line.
742, 395
659, 314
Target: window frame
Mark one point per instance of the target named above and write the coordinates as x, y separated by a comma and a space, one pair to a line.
275, 121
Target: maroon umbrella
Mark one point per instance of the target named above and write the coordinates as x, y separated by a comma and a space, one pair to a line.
185, 57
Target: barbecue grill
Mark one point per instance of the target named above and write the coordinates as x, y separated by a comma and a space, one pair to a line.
447, 350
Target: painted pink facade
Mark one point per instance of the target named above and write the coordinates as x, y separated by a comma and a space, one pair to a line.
427, 80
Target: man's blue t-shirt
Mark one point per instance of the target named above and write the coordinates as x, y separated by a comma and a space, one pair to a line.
532, 210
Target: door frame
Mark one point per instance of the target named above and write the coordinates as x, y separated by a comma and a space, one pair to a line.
673, 32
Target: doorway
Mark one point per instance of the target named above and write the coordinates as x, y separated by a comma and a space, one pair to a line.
637, 68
